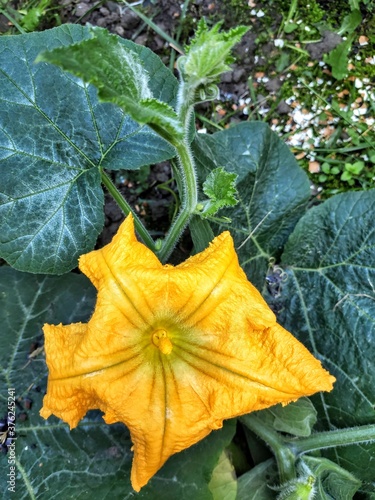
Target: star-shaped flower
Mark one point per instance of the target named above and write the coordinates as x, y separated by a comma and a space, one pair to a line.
173, 351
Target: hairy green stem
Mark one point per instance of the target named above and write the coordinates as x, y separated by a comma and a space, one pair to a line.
185, 102
284, 456
188, 187
287, 450
189, 199
330, 439
127, 209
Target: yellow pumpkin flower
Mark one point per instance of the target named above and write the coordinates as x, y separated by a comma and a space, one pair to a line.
172, 351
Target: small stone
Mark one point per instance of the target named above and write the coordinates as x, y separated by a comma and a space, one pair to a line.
101, 22
141, 40
112, 6
81, 9
363, 40
159, 43
314, 167
273, 85
162, 177
112, 18
129, 19
227, 77
120, 30
238, 74
283, 108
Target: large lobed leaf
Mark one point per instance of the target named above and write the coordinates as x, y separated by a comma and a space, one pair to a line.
328, 300
94, 460
54, 137
273, 190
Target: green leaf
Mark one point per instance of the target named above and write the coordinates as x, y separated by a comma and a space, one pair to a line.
328, 301
32, 16
253, 485
297, 418
223, 484
54, 138
290, 27
333, 481
120, 78
338, 58
354, 4
93, 460
104, 61
346, 176
220, 187
208, 54
273, 190
350, 22
326, 168
355, 168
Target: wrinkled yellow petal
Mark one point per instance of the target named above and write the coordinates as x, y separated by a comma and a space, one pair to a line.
173, 351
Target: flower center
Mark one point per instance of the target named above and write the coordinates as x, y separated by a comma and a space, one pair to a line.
161, 341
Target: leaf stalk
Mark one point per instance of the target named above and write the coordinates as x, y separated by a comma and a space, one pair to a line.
288, 450
127, 209
331, 439
187, 179
189, 200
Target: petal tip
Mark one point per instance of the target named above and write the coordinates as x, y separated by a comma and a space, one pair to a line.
45, 412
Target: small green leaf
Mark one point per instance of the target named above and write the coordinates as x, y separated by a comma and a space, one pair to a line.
32, 16
350, 22
223, 484
220, 187
354, 4
326, 168
103, 61
297, 418
346, 176
338, 58
209, 53
355, 168
119, 77
290, 27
